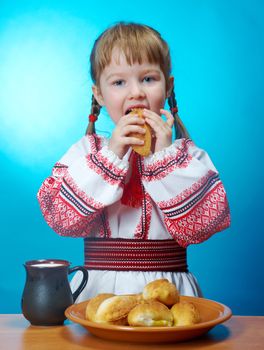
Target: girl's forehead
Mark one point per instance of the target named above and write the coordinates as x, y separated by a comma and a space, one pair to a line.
119, 59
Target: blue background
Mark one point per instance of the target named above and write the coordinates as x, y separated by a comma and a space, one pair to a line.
218, 55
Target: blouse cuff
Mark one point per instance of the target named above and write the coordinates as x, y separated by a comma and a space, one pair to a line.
175, 150
112, 158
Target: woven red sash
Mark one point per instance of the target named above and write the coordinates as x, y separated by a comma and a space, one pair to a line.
134, 255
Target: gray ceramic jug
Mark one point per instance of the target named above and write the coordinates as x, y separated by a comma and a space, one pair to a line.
47, 291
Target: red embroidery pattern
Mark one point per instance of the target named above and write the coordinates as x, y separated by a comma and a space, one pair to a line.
50, 185
106, 169
59, 170
63, 215
101, 165
80, 195
95, 142
208, 217
99, 227
59, 215
187, 193
162, 167
106, 230
142, 229
67, 221
69, 210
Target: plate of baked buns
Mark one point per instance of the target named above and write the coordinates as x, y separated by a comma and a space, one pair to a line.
158, 314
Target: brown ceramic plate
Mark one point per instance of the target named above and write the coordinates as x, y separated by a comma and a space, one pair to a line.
212, 313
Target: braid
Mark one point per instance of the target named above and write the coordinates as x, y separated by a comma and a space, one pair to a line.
180, 129
95, 111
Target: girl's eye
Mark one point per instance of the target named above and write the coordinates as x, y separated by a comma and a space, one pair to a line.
118, 82
148, 79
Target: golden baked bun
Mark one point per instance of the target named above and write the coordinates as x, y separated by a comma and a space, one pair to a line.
139, 297
93, 305
143, 150
150, 314
185, 314
114, 310
161, 290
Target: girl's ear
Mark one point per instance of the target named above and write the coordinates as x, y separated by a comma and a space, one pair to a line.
97, 94
170, 86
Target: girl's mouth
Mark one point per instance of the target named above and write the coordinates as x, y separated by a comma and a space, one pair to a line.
129, 110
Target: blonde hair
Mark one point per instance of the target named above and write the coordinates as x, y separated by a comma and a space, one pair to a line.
138, 43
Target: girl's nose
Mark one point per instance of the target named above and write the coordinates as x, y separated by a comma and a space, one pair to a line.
136, 90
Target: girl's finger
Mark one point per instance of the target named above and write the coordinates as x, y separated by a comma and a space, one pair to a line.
169, 117
132, 141
152, 115
157, 127
154, 120
133, 128
131, 119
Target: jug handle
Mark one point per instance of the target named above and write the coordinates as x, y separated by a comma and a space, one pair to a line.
84, 280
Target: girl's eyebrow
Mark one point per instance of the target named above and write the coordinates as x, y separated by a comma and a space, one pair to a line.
151, 70
111, 75
121, 74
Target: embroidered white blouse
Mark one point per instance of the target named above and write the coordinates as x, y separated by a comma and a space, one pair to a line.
184, 199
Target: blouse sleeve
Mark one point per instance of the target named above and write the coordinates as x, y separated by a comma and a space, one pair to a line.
82, 184
186, 187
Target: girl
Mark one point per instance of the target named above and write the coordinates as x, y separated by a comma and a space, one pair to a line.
137, 215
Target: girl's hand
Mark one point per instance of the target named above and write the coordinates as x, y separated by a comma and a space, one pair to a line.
162, 129
120, 140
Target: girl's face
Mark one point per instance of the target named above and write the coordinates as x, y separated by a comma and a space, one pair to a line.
123, 86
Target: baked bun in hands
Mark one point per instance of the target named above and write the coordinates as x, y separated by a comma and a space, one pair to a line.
185, 314
150, 314
161, 290
93, 305
114, 310
143, 150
